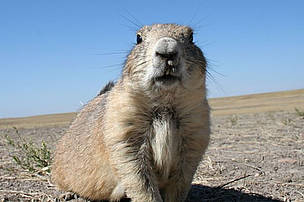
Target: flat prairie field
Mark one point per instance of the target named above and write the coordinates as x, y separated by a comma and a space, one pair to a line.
256, 152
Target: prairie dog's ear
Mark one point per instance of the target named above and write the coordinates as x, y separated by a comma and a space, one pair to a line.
138, 39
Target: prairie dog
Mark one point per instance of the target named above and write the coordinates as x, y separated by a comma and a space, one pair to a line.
144, 136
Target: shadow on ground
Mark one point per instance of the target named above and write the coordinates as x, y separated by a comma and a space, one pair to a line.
204, 193
200, 193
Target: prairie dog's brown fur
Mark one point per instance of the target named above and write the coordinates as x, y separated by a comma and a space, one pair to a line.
144, 136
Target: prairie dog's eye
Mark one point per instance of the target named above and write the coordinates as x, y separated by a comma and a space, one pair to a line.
191, 37
138, 39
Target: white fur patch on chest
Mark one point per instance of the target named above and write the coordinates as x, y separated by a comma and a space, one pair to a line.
164, 144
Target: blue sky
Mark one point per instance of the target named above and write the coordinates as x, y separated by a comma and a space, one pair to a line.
55, 55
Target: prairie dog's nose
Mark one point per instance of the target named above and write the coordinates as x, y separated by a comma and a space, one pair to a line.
167, 48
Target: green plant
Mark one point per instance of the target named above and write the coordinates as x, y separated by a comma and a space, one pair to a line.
234, 120
299, 113
271, 116
29, 155
287, 121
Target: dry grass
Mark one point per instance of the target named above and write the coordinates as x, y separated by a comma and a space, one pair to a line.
255, 103
48, 120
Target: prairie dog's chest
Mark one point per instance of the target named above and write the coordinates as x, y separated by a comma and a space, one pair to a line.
165, 142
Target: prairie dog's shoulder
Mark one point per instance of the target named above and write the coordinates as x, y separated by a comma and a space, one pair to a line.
94, 110
100, 100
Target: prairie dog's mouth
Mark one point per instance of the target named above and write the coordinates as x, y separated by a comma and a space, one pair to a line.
166, 79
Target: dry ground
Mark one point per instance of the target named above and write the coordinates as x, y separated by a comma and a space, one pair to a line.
256, 152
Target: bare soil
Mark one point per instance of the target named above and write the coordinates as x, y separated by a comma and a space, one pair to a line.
251, 157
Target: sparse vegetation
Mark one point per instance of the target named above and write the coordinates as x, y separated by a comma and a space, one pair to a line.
28, 155
233, 120
258, 159
271, 116
287, 121
299, 112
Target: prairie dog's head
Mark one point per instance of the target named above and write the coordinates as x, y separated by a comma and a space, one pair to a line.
165, 58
